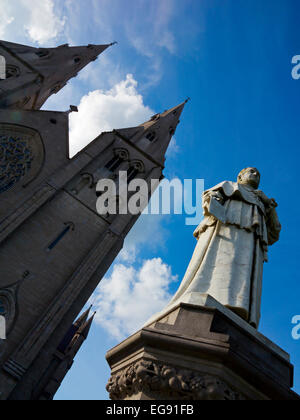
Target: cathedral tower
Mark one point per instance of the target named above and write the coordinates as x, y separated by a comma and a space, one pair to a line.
54, 246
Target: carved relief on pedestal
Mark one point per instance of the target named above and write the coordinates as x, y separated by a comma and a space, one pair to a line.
21, 156
170, 383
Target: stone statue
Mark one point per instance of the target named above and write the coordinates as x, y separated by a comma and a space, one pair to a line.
239, 223
183, 352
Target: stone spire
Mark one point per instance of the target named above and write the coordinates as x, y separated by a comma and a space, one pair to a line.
154, 136
85, 329
63, 360
34, 74
74, 330
80, 335
81, 321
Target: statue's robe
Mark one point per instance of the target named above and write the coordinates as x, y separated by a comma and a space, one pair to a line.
232, 247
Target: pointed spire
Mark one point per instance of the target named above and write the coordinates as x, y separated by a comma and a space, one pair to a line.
154, 136
73, 331
81, 321
85, 329
34, 74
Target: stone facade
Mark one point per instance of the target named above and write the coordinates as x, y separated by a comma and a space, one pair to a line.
54, 246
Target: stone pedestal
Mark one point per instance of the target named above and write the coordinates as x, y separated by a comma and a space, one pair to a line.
199, 353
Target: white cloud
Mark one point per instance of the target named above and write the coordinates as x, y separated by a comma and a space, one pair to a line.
164, 36
173, 149
148, 233
6, 18
34, 20
129, 297
157, 22
122, 106
110, 72
128, 254
167, 40
43, 24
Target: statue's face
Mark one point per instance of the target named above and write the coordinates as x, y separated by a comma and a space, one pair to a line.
250, 176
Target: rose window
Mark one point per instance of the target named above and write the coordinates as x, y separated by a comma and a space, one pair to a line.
15, 161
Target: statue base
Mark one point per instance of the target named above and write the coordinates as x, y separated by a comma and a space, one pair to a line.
199, 353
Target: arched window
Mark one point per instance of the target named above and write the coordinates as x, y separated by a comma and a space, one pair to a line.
121, 155
132, 173
12, 71
135, 168
114, 163
86, 179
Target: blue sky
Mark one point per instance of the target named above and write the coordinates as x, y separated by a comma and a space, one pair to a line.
233, 58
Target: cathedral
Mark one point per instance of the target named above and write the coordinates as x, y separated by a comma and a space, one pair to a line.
54, 246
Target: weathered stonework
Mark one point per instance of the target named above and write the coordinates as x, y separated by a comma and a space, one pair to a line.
168, 382
199, 353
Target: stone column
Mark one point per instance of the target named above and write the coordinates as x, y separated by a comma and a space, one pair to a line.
199, 353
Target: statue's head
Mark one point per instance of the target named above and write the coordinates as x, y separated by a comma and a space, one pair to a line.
249, 176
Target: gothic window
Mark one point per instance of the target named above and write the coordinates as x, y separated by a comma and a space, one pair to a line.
132, 173
22, 156
8, 307
16, 159
85, 180
68, 227
114, 163
151, 136
121, 155
12, 71
134, 169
